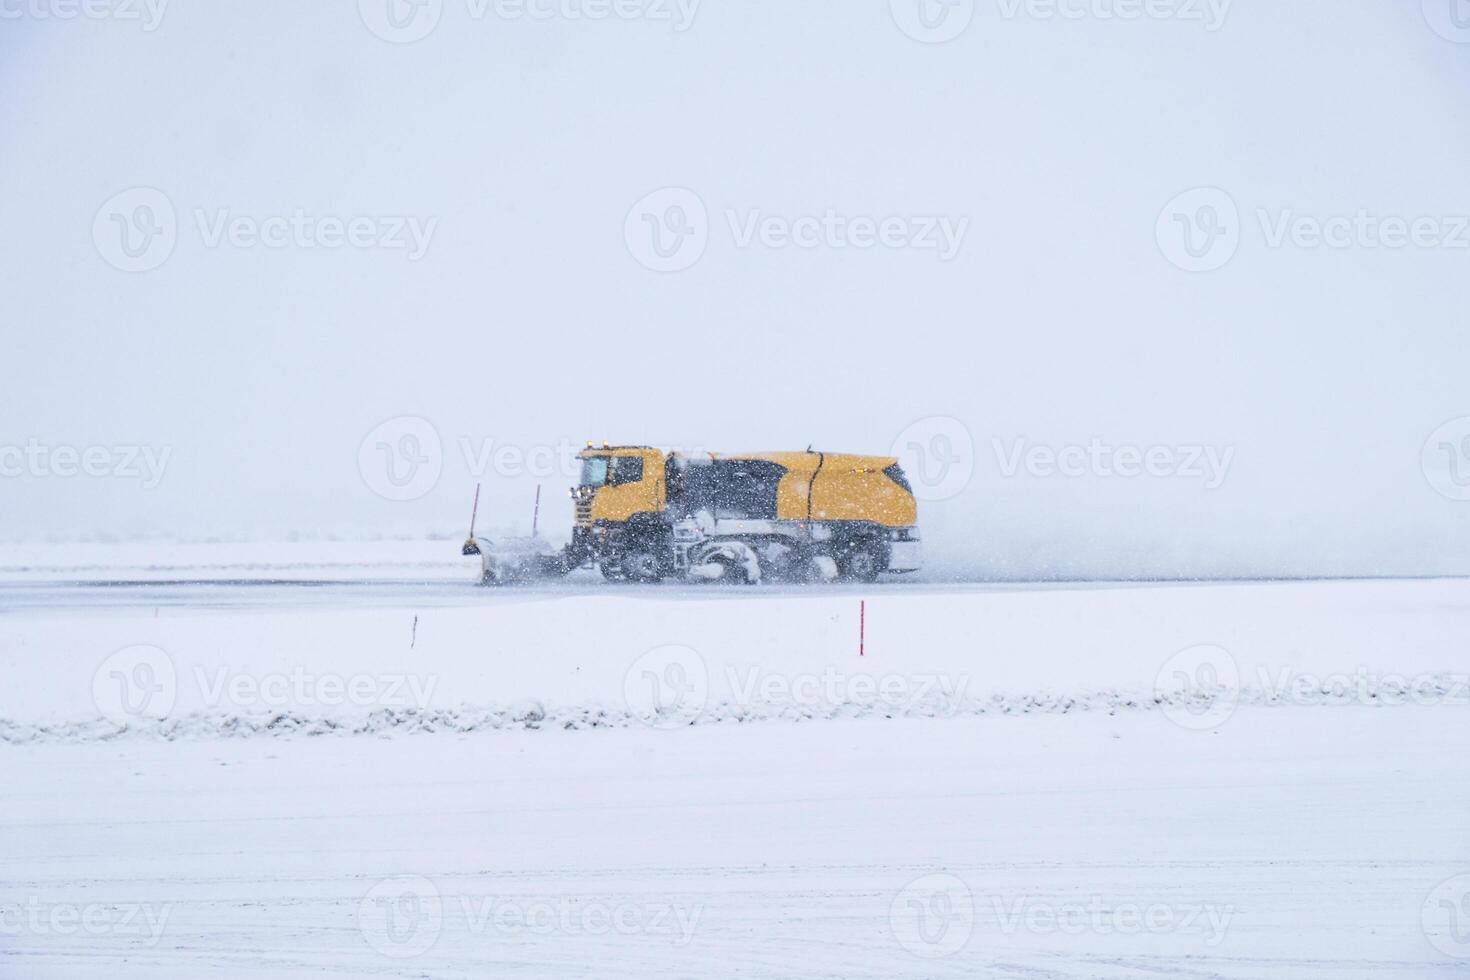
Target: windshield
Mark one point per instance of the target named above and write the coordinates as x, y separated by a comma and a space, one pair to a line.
594, 471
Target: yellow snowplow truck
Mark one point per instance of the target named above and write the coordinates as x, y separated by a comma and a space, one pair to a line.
643, 515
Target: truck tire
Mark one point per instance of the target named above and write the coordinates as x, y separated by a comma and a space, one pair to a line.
860, 562
735, 573
641, 566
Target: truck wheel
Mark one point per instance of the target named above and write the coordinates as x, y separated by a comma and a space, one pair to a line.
735, 573
613, 573
642, 566
860, 563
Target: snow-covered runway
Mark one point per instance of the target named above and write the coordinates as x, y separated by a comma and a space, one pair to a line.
434, 780
1040, 846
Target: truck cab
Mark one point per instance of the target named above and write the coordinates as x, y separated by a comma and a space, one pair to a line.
619, 512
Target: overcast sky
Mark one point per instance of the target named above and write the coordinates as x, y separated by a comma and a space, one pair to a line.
258, 252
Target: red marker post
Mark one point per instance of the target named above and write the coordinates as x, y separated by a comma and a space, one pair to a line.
862, 625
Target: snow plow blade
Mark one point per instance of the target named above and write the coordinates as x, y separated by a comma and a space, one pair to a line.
508, 560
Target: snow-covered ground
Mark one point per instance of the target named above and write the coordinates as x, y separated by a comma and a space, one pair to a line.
151, 560
378, 778
1293, 843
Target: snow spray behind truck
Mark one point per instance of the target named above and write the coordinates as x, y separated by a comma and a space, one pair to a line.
644, 515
